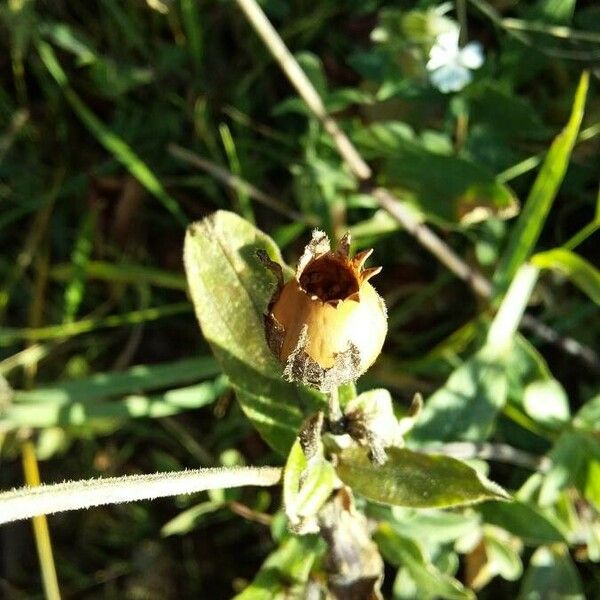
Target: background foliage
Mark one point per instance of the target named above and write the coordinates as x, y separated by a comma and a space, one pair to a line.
106, 371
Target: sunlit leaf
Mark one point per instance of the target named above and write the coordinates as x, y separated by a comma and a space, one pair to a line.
401, 551
101, 386
431, 526
187, 520
588, 416
551, 574
523, 520
575, 462
546, 401
466, 406
285, 571
415, 480
81, 412
306, 484
502, 557
231, 289
581, 272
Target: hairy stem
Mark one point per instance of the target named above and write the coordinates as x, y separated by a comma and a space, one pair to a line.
27, 502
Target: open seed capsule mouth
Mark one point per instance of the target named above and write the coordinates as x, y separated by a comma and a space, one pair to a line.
327, 324
330, 279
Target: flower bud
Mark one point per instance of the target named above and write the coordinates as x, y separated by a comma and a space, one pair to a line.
327, 324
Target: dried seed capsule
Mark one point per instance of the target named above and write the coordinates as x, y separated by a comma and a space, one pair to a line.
327, 324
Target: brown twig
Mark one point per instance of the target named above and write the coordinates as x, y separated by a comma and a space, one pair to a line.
249, 513
429, 240
305, 88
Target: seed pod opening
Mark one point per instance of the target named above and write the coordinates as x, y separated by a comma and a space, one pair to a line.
327, 324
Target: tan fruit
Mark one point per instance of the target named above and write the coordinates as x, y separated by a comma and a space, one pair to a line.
327, 324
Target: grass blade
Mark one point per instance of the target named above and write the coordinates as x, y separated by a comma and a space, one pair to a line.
243, 198
79, 259
122, 273
112, 142
81, 412
193, 32
134, 380
528, 228
10, 335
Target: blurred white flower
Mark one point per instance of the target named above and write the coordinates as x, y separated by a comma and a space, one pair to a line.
450, 65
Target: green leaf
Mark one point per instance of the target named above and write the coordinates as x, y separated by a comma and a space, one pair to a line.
446, 189
553, 11
71, 40
187, 520
568, 458
591, 483
415, 480
490, 104
500, 338
194, 26
582, 273
81, 412
285, 571
315, 489
575, 461
231, 289
466, 407
502, 557
551, 574
546, 401
588, 416
307, 484
135, 379
527, 229
114, 79
292, 475
401, 551
523, 520
430, 527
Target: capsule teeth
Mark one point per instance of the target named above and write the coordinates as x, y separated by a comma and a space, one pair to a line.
361, 257
318, 245
344, 245
368, 273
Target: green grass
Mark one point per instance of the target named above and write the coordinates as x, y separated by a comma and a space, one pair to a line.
103, 368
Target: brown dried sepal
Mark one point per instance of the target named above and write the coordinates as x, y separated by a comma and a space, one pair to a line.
302, 368
353, 562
